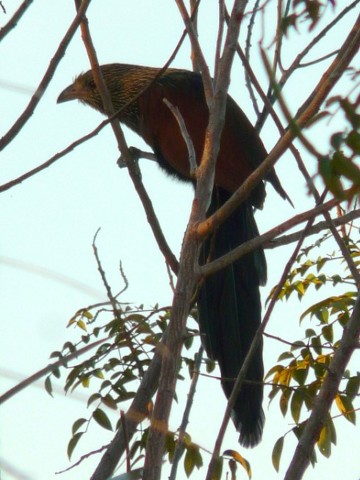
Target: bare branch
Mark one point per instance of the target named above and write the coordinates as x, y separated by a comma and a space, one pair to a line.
122, 145
296, 63
294, 237
185, 134
196, 49
244, 248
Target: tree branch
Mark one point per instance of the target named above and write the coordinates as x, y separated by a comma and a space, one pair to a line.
187, 278
293, 237
310, 107
253, 244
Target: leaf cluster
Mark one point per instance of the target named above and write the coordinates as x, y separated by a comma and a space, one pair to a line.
297, 378
114, 370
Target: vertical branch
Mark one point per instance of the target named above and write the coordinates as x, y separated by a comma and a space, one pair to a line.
248, 81
187, 278
194, 16
220, 36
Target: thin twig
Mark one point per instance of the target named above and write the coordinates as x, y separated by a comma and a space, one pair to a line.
197, 51
44, 83
220, 37
249, 83
296, 62
49, 369
185, 134
293, 237
180, 447
15, 19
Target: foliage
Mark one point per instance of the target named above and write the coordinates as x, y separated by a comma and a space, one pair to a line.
299, 376
116, 368
308, 11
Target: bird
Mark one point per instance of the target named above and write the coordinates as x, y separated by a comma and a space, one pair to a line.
228, 302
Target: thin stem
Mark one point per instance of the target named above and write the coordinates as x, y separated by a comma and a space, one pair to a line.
15, 19
44, 83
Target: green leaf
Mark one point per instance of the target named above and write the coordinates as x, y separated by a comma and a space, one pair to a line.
93, 398
328, 333
276, 453
48, 386
102, 419
316, 344
284, 401
285, 356
72, 444
297, 402
78, 424
301, 372
109, 401
81, 324
353, 386
192, 459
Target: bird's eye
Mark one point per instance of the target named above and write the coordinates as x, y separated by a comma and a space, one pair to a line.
92, 84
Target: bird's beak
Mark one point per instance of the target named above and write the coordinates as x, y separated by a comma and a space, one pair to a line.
68, 94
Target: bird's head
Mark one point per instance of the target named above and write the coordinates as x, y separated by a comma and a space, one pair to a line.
124, 82
84, 89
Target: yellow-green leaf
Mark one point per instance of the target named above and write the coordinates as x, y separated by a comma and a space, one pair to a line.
346, 407
324, 442
240, 459
82, 325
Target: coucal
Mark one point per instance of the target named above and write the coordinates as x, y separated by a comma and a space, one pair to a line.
229, 301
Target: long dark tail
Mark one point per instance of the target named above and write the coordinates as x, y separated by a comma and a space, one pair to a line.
230, 313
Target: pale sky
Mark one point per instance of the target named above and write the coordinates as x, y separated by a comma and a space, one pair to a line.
47, 267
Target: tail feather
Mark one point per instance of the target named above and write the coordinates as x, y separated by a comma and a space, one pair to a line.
230, 313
